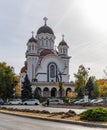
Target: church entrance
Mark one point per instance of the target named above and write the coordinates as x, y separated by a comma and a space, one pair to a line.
53, 92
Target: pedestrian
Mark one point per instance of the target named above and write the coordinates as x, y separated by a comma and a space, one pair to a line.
47, 102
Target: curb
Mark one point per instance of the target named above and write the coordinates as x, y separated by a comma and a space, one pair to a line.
87, 124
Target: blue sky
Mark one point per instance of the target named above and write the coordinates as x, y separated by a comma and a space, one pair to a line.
83, 22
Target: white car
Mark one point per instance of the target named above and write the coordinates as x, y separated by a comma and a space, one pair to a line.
31, 102
15, 102
93, 101
81, 101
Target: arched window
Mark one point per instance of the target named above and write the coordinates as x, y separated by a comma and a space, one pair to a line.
29, 47
52, 71
47, 42
42, 42
64, 51
32, 47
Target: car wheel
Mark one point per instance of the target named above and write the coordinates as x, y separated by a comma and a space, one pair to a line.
25, 104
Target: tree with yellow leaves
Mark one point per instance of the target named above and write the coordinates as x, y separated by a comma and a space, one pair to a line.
17, 87
102, 87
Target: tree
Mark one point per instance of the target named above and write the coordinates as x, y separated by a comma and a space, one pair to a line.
7, 81
96, 91
89, 88
17, 87
102, 87
26, 92
80, 82
80, 93
37, 93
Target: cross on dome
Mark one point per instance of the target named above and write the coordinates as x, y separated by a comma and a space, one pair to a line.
32, 33
45, 19
63, 37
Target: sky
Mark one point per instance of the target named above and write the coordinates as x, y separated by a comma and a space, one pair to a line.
83, 23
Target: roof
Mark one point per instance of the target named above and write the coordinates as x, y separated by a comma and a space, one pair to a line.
32, 39
45, 29
63, 43
46, 52
24, 68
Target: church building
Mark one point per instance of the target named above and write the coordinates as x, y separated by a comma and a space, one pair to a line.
47, 67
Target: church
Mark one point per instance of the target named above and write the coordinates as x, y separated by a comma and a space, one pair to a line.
47, 67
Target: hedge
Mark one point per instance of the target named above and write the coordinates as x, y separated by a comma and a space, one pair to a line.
94, 114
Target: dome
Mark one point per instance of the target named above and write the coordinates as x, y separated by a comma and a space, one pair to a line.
32, 39
63, 43
45, 29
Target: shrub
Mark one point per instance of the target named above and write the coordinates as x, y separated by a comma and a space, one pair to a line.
94, 114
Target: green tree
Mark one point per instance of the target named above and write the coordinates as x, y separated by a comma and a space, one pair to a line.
7, 81
80, 93
89, 88
81, 79
95, 92
37, 93
26, 92
92, 88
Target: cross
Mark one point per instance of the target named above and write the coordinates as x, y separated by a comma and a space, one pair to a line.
63, 37
45, 19
32, 33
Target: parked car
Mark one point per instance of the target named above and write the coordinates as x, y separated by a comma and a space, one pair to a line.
15, 102
72, 101
101, 101
31, 102
81, 101
53, 102
93, 101
1, 101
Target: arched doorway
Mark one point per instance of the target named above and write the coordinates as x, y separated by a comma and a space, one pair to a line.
53, 92
46, 92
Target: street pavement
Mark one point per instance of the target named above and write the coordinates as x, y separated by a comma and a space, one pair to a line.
10, 122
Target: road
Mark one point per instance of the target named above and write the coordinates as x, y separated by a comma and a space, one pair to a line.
9, 122
40, 107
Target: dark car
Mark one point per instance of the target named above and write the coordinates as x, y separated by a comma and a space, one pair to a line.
1, 101
72, 101
53, 102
